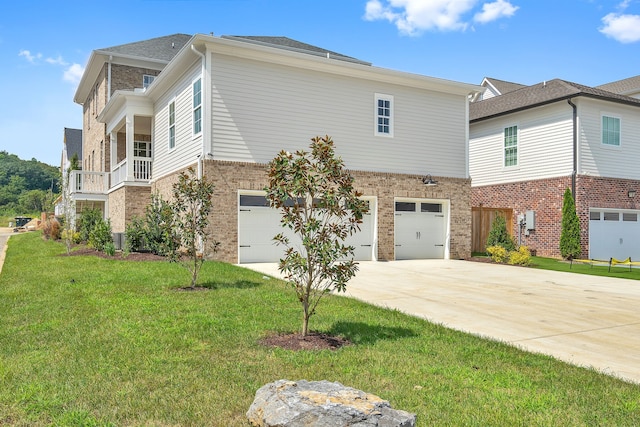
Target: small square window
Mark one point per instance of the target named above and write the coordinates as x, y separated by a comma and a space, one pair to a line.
629, 216
405, 207
147, 80
594, 216
431, 207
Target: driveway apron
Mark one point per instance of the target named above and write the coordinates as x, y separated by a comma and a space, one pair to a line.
583, 320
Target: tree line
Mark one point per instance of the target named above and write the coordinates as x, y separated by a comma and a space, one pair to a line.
27, 186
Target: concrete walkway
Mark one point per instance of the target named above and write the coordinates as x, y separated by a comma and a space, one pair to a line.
584, 320
5, 233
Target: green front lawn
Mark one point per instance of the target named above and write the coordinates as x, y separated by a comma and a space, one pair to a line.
86, 341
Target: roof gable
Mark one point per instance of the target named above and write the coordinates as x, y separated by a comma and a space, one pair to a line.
159, 48
540, 94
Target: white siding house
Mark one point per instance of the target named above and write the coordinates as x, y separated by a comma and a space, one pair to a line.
566, 135
227, 105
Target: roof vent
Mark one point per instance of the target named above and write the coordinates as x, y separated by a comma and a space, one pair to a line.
173, 45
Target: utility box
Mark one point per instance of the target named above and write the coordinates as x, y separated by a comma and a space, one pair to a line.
530, 220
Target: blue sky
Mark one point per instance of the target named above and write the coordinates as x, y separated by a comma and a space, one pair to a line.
44, 46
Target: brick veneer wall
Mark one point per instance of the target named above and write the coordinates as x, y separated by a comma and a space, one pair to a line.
229, 177
125, 203
545, 197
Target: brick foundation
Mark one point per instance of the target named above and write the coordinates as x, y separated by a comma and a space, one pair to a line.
125, 203
230, 177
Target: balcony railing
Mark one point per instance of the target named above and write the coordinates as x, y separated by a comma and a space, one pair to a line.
89, 182
141, 171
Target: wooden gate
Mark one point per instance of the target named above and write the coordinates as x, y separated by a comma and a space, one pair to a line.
481, 219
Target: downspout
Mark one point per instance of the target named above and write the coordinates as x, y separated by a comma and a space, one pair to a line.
202, 154
574, 172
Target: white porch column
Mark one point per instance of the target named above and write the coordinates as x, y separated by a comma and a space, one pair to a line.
113, 138
130, 138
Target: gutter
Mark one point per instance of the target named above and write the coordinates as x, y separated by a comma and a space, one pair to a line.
574, 172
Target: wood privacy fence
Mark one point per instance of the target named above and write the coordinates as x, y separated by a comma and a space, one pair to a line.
481, 219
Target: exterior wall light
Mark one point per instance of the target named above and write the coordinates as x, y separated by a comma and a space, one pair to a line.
427, 180
632, 194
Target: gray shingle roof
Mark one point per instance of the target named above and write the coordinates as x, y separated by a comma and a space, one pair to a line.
287, 43
623, 86
540, 94
504, 86
73, 141
159, 48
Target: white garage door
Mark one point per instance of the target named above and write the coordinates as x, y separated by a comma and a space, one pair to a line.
614, 233
419, 229
258, 224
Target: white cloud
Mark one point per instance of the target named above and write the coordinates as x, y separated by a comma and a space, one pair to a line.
412, 17
29, 57
73, 74
496, 10
620, 27
56, 61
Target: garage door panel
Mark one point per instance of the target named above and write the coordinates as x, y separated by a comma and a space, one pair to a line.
614, 234
419, 233
258, 224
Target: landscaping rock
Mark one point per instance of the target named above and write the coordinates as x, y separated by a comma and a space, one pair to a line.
322, 404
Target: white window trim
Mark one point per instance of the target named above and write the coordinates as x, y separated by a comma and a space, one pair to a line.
502, 159
169, 125
610, 146
193, 110
382, 96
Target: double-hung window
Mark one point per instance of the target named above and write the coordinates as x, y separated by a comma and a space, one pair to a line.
172, 125
611, 131
384, 115
197, 106
511, 146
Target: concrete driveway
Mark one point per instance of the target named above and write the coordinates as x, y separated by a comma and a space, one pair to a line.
584, 320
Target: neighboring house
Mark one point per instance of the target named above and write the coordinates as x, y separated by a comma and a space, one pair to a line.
494, 87
529, 145
227, 105
629, 87
71, 146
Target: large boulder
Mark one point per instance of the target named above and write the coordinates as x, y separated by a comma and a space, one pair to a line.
322, 403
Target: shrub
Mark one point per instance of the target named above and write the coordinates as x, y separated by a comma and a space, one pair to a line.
135, 235
100, 236
499, 236
498, 253
520, 257
570, 234
109, 248
159, 235
87, 222
72, 236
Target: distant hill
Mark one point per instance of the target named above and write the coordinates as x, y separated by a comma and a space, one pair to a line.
24, 184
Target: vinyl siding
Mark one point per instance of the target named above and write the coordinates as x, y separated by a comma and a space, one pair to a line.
545, 136
187, 148
259, 109
597, 159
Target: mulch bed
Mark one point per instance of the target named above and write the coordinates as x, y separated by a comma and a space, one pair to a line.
132, 256
296, 342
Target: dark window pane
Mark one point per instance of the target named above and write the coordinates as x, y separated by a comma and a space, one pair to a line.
246, 200
594, 216
430, 207
611, 216
405, 207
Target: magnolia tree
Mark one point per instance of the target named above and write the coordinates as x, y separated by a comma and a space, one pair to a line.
191, 206
319, 203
